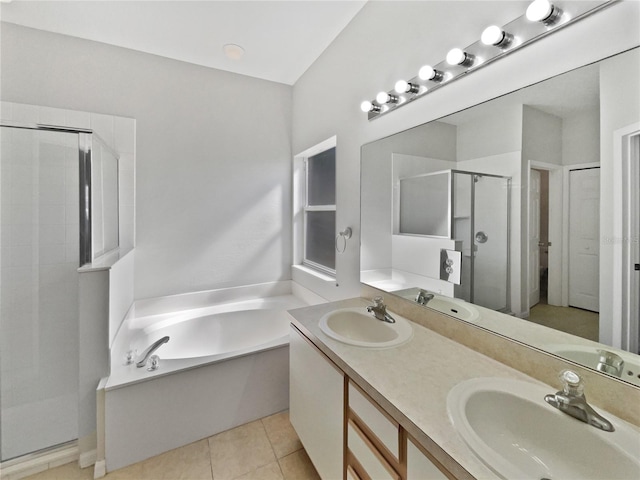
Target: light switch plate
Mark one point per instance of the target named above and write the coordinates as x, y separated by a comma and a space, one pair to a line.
450, 265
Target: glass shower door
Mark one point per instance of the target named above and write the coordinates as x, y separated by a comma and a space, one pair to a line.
39, 244
491, 242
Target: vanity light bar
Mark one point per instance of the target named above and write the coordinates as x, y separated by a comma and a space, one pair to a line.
541, 18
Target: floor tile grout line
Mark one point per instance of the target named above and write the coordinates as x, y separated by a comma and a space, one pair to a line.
273, 450
266, 434
301, 447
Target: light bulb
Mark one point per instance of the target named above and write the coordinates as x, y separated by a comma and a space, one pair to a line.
542, 11
402, 86
384, 97
429, 73
456, 56
367, 107
492, 35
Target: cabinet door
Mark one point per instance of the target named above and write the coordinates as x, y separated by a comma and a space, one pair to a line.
419, 467
316, 405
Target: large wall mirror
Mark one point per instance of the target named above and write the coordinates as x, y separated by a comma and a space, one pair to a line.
520, 214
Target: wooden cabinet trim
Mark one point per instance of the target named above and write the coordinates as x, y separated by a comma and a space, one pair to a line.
374, 403
402, 451
379, 449
355, 467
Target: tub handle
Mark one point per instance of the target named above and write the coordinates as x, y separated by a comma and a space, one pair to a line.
144, 356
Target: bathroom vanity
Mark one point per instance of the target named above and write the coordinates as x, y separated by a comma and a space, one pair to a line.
365, 412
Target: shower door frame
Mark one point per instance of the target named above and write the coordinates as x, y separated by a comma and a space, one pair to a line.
85, 143
85, 147
472, 230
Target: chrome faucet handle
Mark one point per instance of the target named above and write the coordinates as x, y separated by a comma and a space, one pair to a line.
572, 383
609, 362
378, 301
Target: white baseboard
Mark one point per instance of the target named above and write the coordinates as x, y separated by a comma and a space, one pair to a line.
100, 469
88, 458
39, 462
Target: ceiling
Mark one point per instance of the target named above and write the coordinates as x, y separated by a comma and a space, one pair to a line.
281, 39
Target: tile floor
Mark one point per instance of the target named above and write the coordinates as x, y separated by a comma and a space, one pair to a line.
267, 449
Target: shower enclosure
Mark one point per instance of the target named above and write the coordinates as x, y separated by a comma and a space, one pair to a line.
472, 209
59, 210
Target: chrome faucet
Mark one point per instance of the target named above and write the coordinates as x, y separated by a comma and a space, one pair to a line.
423, 297
379, 310
571, 400
141, 361
609, 362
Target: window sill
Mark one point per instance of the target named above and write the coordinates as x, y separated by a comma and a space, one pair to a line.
315, 273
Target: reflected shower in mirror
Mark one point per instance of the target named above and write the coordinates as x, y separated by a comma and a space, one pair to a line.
526, 189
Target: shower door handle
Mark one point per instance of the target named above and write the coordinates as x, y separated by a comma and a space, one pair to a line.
481, 237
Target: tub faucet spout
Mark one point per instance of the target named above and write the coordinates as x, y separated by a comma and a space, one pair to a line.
144, 356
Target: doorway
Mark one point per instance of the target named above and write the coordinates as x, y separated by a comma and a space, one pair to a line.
550, 277
539, 237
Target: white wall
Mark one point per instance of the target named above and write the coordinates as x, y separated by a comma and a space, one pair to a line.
483, 137
581, 137
213, 155
541, 136
391, 40
619, 107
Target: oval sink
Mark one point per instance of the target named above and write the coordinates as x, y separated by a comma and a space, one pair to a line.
454, 307
590, 356
511, 429
356, 326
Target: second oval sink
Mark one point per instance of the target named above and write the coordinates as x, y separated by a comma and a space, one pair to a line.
356, 326
510, 427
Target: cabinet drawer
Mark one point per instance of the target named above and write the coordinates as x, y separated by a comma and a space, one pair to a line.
368, 458
382, 426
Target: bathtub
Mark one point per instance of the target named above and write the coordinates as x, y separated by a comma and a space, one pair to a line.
224, 365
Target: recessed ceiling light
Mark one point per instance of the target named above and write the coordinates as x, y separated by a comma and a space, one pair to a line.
233, 51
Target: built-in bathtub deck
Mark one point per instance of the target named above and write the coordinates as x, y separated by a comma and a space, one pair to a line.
192, 396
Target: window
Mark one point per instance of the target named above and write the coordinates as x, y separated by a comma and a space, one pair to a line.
320, 211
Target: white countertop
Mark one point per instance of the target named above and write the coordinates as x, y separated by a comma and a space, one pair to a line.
411, 381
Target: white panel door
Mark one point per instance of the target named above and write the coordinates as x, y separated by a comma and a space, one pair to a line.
534, 237
584, 238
